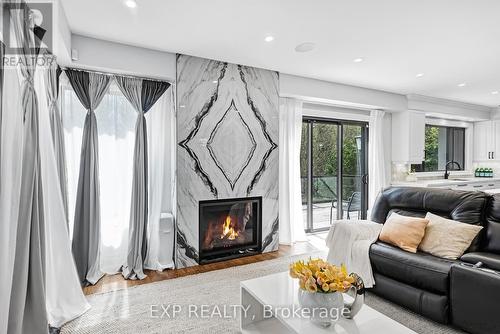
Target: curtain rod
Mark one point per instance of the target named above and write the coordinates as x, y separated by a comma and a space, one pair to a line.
117, 74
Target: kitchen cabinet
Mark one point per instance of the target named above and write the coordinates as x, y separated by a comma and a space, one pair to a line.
496, 140
408, 137
473, 185
468, 184
487, 141
482, 146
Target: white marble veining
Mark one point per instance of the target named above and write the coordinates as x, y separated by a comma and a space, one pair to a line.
227, 131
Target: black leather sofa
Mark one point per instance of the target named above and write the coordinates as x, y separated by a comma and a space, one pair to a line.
437, 288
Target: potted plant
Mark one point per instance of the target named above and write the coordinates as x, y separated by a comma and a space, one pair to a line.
321, 287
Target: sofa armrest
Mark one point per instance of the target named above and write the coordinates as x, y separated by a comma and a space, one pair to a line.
474, 296
489, 260
380, 209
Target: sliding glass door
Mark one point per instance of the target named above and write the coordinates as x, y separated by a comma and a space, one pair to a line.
333, 171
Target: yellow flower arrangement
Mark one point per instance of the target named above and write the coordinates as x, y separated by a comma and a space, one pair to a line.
317, 275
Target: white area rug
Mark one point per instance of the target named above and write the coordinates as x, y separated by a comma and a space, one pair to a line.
129, 311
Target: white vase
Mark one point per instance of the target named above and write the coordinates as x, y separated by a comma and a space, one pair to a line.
324, 309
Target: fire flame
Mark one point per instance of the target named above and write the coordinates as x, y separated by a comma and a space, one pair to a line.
227, 230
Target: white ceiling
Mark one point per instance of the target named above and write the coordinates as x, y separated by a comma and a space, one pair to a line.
450, 41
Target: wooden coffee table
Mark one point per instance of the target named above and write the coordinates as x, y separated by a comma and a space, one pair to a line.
272, 298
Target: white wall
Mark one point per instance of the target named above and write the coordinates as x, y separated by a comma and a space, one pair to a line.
319, 91
113, 57
495, 113
325, 111
447, 109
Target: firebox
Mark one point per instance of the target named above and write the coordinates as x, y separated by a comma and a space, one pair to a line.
230, 228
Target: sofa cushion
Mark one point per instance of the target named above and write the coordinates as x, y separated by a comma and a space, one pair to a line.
491, 235
420, 270
489, 260
463, 206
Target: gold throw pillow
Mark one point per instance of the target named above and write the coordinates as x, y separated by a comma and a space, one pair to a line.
404, 232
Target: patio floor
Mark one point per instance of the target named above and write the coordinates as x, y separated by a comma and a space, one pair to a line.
321, 215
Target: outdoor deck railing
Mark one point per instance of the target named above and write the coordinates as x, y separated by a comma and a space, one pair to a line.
324, 188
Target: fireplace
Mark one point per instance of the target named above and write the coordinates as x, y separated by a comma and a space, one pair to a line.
230, 228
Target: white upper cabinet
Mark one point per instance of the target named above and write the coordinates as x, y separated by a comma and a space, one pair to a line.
482, 141
487, 141
496, 140
408, 137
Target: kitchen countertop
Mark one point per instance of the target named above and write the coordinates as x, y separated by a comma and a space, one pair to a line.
444, 183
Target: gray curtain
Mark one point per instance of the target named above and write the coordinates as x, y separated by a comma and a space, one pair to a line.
27, 310
151, 92
90, 89
142, 94
51, 78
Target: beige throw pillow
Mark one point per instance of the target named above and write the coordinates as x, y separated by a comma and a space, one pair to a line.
447, 238
403, 232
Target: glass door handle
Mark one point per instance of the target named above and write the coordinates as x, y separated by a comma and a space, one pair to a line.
364, 179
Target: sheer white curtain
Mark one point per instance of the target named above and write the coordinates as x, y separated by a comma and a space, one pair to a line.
116, 129
73, 115
160, 122
11, 141
115, 125
376, 156
290, 211
65, 299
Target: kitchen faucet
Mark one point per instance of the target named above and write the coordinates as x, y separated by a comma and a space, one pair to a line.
446, 173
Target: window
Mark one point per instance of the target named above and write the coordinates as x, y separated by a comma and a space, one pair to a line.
116, 136
442, 144
333, 164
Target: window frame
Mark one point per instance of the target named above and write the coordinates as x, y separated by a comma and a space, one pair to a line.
452, 146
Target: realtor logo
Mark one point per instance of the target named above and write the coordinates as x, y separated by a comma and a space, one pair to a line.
41, 18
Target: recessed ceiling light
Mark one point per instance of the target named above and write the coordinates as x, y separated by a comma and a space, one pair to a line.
419, 75
215, 81
463, 84
305, 47
495, 92
358, 60
131, 3
269, 38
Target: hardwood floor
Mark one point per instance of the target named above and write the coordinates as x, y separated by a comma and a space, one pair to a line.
117, 282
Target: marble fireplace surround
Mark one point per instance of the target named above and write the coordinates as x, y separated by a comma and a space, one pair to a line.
227, 145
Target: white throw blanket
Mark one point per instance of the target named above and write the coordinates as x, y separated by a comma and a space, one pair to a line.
349, 242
